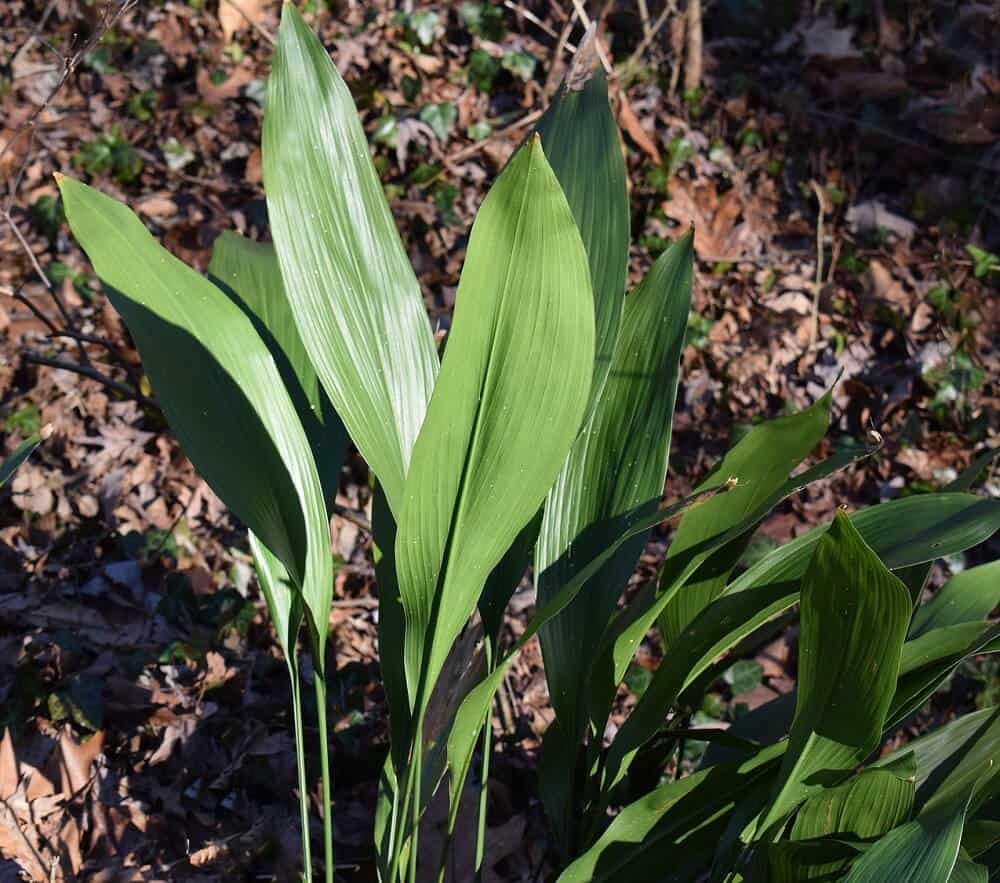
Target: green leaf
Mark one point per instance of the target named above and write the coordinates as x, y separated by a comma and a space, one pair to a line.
762, 461
20, 454
916, 577
853, 623
583, 147
623, 635
350, 285
648, 836
928, 660
968, 596
906, 531
249, 273
617, 462
920, 851
219, 388
284, 602
957, 758
744, 676
966, 871
903, 533
504, 412
440, 117
520, 64
470, 715
872, 803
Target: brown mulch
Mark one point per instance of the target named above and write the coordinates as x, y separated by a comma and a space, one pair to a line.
144, 700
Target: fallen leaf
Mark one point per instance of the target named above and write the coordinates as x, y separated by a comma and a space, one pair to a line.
630, 123
234, 15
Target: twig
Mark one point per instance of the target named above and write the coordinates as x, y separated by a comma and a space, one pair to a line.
473, 149
670, 8
530, 16
580, 11
259, 28
552, 80
356, 518
818, 285
644, 17
124, 389
22, 298
693, 53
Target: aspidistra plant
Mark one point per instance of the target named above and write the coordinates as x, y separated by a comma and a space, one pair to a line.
543, 435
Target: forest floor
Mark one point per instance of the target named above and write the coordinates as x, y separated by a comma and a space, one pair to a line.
143, 701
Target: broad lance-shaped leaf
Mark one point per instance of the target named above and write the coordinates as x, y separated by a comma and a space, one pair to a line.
618, 461
219, 388
356, 301
958, 758
853, 623
762, 461
248, 272
581, 142
623, 634
505, 410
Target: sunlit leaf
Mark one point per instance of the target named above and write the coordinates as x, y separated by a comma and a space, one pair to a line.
351, 287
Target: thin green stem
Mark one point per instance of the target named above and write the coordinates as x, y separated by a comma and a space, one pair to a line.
324, 756
487, 748
300, 763
398, 835
418, 742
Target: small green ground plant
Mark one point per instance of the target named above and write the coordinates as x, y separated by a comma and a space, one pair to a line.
542, 437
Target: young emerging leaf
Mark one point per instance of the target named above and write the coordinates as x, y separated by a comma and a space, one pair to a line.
505, 410
352, 290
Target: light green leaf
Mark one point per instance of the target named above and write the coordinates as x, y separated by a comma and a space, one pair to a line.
352, 290
762, 461
968, 596
853, 623
440, 117
505, 410
581, 142
950, 523
284, 601
249, 273
219, 388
